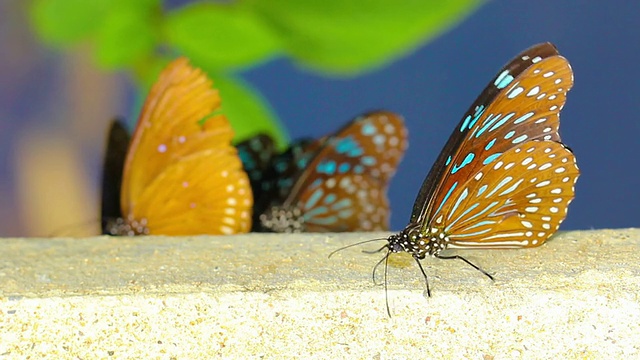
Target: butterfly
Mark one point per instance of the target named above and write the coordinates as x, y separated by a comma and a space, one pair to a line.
181, 175
336, 183
504, 178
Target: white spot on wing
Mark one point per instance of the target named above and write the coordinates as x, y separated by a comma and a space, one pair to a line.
534, 91
515, 92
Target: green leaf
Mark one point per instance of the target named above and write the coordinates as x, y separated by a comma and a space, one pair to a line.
128, 33
63, 22
248, 113
219, 36
351, 36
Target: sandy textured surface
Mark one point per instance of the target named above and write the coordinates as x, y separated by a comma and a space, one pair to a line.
278, 296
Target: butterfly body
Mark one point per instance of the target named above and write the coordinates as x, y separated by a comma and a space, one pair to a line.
417, 242
504, 179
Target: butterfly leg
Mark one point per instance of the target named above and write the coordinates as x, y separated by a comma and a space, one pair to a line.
465, 260
386, 293
375, 268
426, 280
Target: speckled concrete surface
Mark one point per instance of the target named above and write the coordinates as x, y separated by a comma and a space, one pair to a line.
277, 296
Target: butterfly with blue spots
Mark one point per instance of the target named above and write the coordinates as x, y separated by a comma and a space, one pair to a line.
340, 181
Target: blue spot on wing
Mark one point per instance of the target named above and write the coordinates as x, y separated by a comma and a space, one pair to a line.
355, 152
329, 220
465, 123
503, 80
315, 212
329, 199
281, 166
313, 200
457, 203
446, 197
490, 144
473, 234
465, 162
368, 129
368, 160
343, 168
341, 204
490, 120
523, 117
326, 167
501, 122
476, 116
469, 209
519, 139
345, 145
480, 223
490, 158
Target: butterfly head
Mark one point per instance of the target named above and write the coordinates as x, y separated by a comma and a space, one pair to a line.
417, 242
283, 219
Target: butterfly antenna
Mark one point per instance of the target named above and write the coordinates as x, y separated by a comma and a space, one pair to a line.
468, 262
375, 268
386, 246
426, 279
358, 243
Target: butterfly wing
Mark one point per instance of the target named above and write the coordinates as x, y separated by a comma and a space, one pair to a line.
116, 152
287, 165
179, 149
517, 201
522, 103
256, 154
347, 202
279, 177
169, 126
343, 187
203, 193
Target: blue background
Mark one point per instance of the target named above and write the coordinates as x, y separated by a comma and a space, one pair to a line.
60, 95
434, 86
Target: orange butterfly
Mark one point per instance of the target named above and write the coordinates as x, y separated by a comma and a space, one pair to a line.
181, 174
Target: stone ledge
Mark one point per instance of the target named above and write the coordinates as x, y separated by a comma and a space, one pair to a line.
278, 296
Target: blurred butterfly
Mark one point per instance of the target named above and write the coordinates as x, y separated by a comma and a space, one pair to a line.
256, 154
181, 175
337, 183
270, 172
504, 179
117, 143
